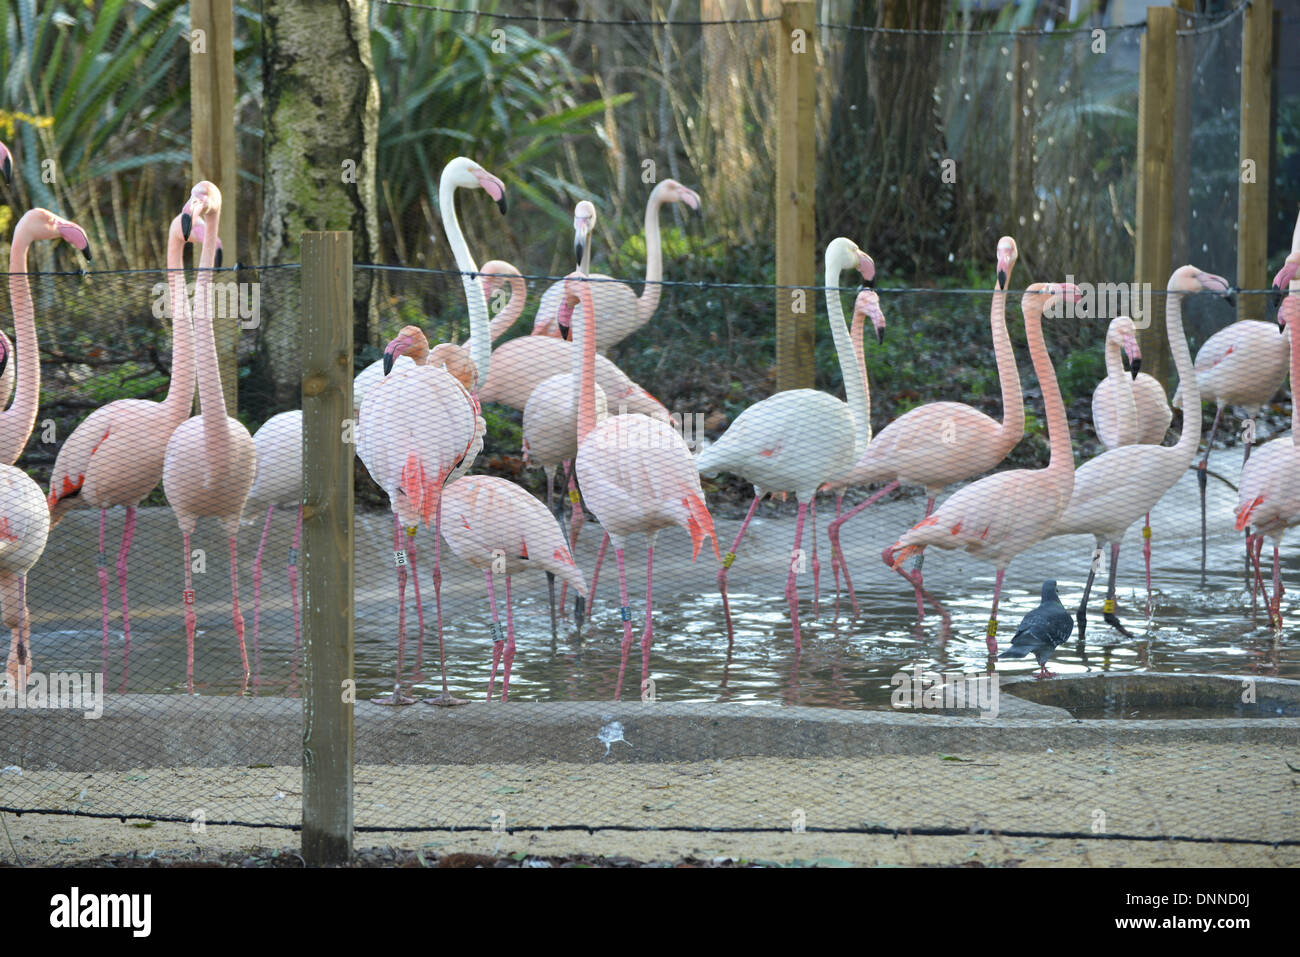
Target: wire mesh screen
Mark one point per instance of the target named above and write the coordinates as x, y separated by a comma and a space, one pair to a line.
633, 682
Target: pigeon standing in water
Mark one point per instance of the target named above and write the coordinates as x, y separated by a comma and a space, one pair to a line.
1042, 630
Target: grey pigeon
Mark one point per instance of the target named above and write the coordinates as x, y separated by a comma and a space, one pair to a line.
1042, 630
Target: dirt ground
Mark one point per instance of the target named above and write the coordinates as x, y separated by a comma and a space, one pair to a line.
1216, 791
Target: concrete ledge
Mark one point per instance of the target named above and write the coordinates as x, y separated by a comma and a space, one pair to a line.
173, 731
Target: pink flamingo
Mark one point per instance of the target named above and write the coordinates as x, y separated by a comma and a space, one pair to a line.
619, 311
1269, 496
24, 519
210, 462
496, 526
115, 456
1118, 487
635, 471
999, 516
940, 443
1243, 364
797, 440
1130, 409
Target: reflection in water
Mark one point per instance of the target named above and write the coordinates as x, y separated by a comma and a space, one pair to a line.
846, 662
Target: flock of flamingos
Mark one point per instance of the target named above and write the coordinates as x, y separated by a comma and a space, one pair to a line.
631, 468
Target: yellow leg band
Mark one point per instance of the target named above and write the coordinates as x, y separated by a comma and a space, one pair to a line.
727, 559
573, 496
1109, 606
1146, 531
992, 631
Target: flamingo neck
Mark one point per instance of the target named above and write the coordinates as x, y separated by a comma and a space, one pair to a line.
648, 302
1061, 461
856, 389
1295, 376
180, 394
1012, 428
480, 337
1125, 402
21, 416
512, 310
1189, 439
212, 401
584, 362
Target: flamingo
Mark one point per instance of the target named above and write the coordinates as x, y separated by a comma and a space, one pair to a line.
115, 456
6, 164
999, 516
619, 311
6, 370
1130, 409
24, 519
1119, 486
636, 473
797, 440
1269, 495
940, 443
210, 462
498, 527
1243, 364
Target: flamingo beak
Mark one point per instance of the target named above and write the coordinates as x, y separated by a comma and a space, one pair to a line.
187, 223
867, 266
564, 317
1134, 353
493, 187
867, 304
220, 254
1135, 366
6, 164
691, 198
581, 237
1004, 267
1282, 281
395, 350
75, 236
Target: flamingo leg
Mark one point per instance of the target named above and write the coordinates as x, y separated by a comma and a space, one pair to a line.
1256, 545
257, 593
128, 535
991, 637
1146, 557
419, 603
647, 637
1082, 616
837, 554
235, 614
1276, 617
101, 568
550, 576
293, 593
727, 561
497, 643
18, 667
510, 643
595, 575
791, 581
916, 569
816, 565
578, 517
835, 565
627, 621
396, 697
1109, 615
190, 620
445, 699
1202, 477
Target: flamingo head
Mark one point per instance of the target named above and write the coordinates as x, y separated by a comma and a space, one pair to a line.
44, 224
671, 191
496, 274
1281, 282
1190, 279
6, 164
1047, 296
456, 361
584, 221
1123, 330
204, 201
411, 341
867, 304
1007, 255
845, 254
575, 291
464, 173
198, 234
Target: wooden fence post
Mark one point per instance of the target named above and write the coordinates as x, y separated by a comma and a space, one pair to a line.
212, 146
1155, 180
796, 200
1180, 240
327, 445
1252, 174
1022, 133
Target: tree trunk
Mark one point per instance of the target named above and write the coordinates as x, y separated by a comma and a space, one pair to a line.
321, 131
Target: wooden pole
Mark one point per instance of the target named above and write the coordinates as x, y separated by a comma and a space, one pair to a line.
1155, 181
1252, 179
1022, 134
796, 184
327, 547
1180, 240
212, 148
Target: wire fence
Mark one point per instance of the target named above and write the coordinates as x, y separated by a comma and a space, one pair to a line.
1040, 128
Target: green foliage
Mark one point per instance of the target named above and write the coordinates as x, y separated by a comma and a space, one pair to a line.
1080, 371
